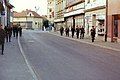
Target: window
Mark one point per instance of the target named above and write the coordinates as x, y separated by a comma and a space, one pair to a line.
50, 10
30, 15
35, 23
50, 16
88, 1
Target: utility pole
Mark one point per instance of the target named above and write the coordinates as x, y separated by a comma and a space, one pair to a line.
106, 21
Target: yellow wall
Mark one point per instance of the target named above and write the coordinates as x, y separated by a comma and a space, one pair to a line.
113, 7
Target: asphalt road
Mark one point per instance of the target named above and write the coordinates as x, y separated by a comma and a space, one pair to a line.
56, 58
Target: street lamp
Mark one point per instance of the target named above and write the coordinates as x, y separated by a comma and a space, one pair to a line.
106, 21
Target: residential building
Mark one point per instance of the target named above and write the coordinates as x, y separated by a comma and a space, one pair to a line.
1, 11
113, 27
9, 14
5, 12
74, 13
59, 13
95, 15
50, 10
28, 19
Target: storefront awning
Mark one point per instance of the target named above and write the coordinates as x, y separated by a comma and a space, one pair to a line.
59, 20
72, 13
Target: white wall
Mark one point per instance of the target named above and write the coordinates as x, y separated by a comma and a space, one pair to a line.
94, 4
19, 19
38, 20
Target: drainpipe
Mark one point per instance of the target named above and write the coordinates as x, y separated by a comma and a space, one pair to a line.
106, 21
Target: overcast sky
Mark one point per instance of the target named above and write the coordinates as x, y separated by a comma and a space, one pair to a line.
30, 4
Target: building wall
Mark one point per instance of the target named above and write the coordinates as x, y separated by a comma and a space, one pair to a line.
113, 7
50, 10
59, 9
19, 19
59, 13
36, 22
113, 10
94, 3
72, 2
4, 16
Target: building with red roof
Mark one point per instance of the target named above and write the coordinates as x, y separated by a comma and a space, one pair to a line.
27, 19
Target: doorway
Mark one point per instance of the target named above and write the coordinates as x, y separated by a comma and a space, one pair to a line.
116, 19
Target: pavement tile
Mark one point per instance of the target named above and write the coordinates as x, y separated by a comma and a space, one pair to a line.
98, 42
12, 64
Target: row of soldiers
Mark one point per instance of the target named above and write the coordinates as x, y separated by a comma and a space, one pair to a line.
15, 30
6, 33
79, 31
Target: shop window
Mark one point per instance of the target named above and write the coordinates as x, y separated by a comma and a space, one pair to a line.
101, 30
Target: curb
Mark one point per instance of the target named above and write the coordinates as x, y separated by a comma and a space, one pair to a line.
31, 69
102, 46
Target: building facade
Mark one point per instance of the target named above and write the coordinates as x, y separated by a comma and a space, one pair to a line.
95, 15
113, 19
74, 13
28, 19
59, 13
5, 13
50, 10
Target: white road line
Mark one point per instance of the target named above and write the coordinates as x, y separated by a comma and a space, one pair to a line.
32, 70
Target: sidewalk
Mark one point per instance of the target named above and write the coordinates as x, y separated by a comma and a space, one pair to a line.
98, 42
12, 64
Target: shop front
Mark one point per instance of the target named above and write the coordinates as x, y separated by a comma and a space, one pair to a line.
97, 19
70, 22
79, 20
59, 23
115, 27
74, 18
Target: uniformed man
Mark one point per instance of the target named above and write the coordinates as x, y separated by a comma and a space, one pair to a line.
2, 38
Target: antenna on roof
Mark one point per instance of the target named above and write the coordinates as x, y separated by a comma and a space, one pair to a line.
36, 9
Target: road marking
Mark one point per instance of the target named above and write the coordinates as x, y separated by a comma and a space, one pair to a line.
32, 70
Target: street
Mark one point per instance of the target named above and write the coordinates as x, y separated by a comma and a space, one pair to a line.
56, 58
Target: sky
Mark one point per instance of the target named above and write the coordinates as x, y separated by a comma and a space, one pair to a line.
30, 4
